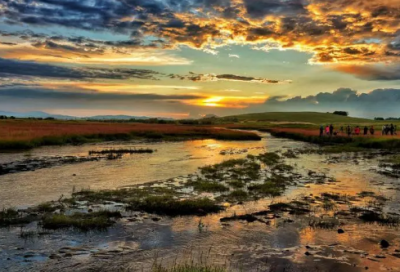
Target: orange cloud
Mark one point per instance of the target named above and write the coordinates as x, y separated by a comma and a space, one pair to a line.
238, 102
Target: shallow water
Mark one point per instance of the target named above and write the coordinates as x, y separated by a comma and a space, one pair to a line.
280, 246
172, 159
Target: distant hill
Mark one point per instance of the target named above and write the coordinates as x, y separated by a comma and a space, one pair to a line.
37, 114
41, 114
301, 117
116, 117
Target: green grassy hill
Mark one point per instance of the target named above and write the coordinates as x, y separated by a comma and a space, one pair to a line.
303, 117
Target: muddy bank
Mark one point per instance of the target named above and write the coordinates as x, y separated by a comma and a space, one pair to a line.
33, 164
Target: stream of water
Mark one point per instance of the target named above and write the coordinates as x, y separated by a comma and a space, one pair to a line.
136, 246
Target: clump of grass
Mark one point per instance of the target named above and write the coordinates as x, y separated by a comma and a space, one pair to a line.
366, 194
121, 195
273, 186
47, 207
235, 196
335, 197
167, 205
280, 206
328, 205
245, 217
380, 218
266, 189
11, 216
290, 154
294, 207
188, 268
269, 158
208, 186
100, 220
283, 168
236, 168
236, 183
121, 151
326, 223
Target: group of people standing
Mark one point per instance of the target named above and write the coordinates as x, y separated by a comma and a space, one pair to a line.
357, 130
389, 129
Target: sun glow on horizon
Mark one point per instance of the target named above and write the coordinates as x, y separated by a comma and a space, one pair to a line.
237, 102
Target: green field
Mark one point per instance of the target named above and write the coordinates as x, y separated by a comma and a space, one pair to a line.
300, 117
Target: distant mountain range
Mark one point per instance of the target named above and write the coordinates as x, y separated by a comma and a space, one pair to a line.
41, 114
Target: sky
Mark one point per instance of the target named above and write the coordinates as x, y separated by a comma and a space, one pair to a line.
190, 58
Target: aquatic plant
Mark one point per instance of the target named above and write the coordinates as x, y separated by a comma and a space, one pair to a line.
234, 196
121, 151
207, 186
100, 220
167, 205
188, 268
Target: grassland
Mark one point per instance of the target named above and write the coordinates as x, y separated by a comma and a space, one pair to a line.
298, 117
25, 134
304, 126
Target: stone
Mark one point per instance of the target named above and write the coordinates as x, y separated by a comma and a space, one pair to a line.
384, 244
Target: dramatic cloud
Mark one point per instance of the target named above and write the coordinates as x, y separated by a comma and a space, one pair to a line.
72, 95
380, 102
28, 45
9, 68
229, 77
336, 31
372, 72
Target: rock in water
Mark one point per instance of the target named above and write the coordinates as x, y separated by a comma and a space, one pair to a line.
384, 244
340, 231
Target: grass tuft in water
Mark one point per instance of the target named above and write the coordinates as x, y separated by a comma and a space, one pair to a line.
188, 268
100, 220
167, 205
208, 186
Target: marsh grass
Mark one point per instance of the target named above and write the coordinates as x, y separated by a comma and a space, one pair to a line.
100, 220
328, 205
188, 268
236, 184
47, 207
26, 134
122, 195
10, 216
269, 158
208, 186
325, 223
235, 196
167, 205
336, 197
121, 151
370, 216
294, 207
266, 189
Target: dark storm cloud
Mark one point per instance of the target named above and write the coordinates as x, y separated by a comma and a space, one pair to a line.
73, 95
9, 68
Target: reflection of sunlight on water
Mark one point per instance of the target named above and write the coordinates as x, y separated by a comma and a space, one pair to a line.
236, 238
